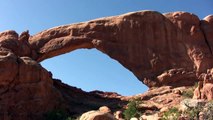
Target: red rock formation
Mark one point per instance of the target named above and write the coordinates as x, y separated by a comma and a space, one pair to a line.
147, 43
207, 28
170, 49
9, 40
27, 90
77, 101
205, 86
194, 38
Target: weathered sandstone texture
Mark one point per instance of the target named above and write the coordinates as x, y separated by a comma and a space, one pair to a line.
160, 49
28, 91
204, 89
147, 43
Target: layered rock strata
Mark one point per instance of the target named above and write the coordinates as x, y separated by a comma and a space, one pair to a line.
160, 49
147, 43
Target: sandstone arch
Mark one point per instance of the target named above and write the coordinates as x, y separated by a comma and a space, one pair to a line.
153, 46
91, 70
170, 49
147, 43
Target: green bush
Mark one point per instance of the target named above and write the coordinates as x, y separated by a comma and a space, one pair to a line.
208, 110
57, 115
193, 112
172, 114
188, 93
131, 110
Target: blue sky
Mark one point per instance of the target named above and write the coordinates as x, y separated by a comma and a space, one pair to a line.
88, 69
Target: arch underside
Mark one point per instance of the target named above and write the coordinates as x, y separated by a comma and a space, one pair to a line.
158, 49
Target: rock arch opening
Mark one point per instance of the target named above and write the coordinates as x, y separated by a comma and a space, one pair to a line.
92, 70
149, 44
160, 49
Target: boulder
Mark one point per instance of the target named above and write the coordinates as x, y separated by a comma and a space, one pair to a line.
150, 117
134, 118
96, 115
102, 114
119, 115
105, 109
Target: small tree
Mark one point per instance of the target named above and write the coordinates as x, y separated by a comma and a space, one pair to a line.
131, 110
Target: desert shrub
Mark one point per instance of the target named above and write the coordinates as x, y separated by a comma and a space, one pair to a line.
193, 112
57, 115
132, 109
172, 114
188, 93
195, 85
208, 110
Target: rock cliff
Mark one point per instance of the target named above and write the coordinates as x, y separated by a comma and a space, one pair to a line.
160, 49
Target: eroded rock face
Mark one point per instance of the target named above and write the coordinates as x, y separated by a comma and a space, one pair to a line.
204, 89
147, 43
78, 102
171, 49
26, 90
10, 40
194, 38
207, 27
